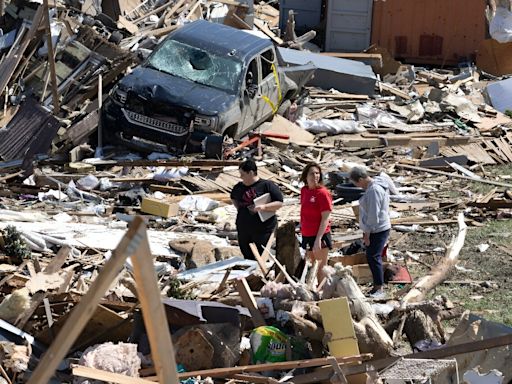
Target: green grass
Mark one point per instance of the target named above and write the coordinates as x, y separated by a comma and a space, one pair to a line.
491, 174
494, 265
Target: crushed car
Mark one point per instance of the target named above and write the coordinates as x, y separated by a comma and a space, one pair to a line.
203, 82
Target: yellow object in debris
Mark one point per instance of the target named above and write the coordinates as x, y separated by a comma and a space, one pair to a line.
337, 321
159, 207
279, 94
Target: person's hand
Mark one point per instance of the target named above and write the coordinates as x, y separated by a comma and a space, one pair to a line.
366, 239
260, 208
317, 246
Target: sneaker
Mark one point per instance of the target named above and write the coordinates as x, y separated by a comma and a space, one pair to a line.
378, 295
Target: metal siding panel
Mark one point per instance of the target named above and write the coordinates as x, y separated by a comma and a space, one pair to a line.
307, 13
453, 37
28, 128
348, 25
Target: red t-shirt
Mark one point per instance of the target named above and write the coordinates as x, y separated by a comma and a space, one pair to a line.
312, 203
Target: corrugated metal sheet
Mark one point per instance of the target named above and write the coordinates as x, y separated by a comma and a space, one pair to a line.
429, 31
348, 25
30, 131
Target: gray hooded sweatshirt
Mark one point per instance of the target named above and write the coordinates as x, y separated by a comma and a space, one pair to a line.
374, 206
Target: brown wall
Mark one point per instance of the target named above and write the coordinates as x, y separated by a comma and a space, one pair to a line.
429, 31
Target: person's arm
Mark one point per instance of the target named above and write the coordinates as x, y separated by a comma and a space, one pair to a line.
269, 207
234, 197
276, 197
325, 205
324, 222
374, 206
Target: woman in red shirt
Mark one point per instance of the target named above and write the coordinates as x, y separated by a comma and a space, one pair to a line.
315, 210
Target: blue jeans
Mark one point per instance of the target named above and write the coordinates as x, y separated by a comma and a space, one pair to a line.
374, 255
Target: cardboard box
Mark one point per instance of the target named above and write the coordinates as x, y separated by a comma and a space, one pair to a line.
362, 273
159, 207
494, 58
358, 258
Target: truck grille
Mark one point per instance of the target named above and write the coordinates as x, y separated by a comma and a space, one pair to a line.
173, 128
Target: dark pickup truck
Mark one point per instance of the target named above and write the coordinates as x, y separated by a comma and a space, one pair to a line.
203, 80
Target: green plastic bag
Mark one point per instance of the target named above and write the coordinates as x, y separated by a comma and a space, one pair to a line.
268, 345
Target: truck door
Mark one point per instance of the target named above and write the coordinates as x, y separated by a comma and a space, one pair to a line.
250, 98
270, 88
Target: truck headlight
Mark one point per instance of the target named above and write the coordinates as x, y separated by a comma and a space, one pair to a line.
119, 95
205, 121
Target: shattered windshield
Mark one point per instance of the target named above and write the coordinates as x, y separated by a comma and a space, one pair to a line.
192, 63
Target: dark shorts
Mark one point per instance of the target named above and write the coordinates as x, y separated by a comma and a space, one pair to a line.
309, 241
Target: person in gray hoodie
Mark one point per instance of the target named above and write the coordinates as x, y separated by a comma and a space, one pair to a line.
374, 221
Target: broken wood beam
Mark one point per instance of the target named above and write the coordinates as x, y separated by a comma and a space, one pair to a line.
51, 59
134, 244
222, 372
258, 258
250, 302
436, 172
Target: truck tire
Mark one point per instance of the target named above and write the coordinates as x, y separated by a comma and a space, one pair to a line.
214, 147
283, 108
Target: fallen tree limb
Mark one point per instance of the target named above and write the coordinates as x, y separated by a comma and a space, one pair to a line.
441, 271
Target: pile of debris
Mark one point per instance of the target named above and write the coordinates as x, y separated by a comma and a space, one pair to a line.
117, 265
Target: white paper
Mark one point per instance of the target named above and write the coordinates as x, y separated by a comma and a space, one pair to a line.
263, 199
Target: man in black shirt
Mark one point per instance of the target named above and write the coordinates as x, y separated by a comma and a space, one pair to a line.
250, 227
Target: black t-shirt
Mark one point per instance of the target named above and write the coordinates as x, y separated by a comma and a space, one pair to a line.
245, 195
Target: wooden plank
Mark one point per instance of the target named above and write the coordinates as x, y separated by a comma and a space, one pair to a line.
258, 258
266, 251
110, 377
484, 181
156, 10
395, 91
249, 302
254, 379
337, 371
153, 312
51, 58
134, 243
356, 56
263, 28
58, 261
287, 365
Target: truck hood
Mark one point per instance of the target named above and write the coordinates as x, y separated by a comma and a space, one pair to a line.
158, 86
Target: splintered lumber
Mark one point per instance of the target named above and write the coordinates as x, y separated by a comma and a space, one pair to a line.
441, 271
258, 258
266, 30
436, 172
249, 302
134, 244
